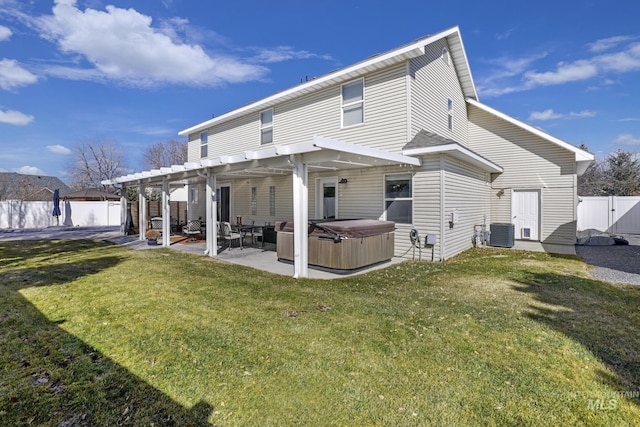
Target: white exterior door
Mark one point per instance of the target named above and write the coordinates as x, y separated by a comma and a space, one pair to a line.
525, 208
326, 198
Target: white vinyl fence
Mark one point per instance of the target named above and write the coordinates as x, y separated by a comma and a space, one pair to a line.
18, 214
612, 214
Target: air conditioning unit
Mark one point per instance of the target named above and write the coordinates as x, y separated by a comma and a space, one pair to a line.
502, 235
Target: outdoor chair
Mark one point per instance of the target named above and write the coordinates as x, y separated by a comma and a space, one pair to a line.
256, 231
229, 235
156, 223
192, 228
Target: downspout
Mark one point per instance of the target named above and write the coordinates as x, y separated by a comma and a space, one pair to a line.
166, 229
443, 200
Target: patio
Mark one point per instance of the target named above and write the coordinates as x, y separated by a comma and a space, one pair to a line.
264, 259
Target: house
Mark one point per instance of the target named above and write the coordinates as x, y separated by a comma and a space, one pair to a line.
399, 136
17, 186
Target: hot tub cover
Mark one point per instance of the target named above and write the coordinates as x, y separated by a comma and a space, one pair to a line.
346, 229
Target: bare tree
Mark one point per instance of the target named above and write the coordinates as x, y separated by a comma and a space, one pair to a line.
164, 154
94, 162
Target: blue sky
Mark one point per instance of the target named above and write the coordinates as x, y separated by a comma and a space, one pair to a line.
133, 73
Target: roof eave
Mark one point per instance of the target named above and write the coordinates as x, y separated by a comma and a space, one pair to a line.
458, 151
581, 155
375, 63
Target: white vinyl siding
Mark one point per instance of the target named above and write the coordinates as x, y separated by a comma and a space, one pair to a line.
283, 203
426, 207
530, 163
433, 83
467, 190
320, 113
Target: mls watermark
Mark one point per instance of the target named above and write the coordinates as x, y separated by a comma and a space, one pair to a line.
606, 401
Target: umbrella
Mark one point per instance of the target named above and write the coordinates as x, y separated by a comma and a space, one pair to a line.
56, 205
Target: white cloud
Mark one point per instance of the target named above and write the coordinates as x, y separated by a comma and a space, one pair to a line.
15, 118
5, 33
608, 43
564, 73
627, 139
284, 53
544, 115
121, 44
552, 115
621, 62
625, 59
12, 75
30, 170
505, 35
58, 149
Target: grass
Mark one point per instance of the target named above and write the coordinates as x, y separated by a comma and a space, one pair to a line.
97, 334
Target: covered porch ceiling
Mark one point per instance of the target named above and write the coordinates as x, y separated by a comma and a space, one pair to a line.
319, 154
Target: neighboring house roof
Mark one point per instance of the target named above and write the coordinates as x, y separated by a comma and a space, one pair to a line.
90, 194
583, 158
371, 64
430, 143
17, 186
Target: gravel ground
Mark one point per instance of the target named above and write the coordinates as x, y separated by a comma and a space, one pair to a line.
618, 263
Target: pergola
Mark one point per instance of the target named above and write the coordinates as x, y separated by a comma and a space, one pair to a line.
320, 153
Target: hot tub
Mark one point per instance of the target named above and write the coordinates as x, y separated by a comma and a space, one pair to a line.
341, 245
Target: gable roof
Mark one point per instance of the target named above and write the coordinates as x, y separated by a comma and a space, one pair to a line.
19, 186
431, 143
583, 158
371, 64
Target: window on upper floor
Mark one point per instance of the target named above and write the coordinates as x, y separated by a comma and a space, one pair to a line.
445, 56
266, 127
204, 144
353, 103
398, 198
450, 114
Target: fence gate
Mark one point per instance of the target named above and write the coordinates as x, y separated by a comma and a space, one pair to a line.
613, 214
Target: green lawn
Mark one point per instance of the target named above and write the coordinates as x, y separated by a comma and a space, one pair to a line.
98, 334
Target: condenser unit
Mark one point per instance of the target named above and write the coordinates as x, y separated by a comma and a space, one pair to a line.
502, 235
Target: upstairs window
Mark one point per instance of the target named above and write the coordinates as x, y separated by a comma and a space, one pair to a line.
353, 103
204, 139
450, 114
266, 127
398, 198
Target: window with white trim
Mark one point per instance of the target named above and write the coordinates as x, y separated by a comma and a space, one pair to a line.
204, 139
353, 103
445, 56
254, 201
450, 114
398, 198
272, 200
266, 127
194, 196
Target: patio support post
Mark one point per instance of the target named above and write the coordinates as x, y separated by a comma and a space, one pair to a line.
300, 218
166, 214
142, 211
123, 209
212, 209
